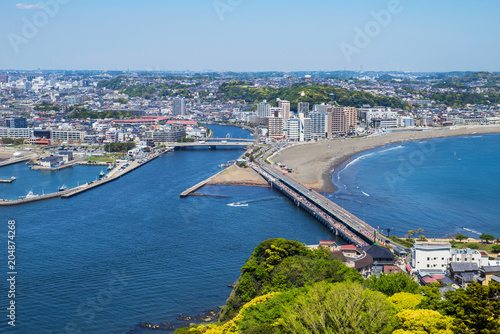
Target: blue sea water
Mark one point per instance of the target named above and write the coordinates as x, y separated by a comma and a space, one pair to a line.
445, 186
132, 251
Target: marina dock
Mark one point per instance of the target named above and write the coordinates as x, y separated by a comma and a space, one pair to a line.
72, 164
116, 173
16, 160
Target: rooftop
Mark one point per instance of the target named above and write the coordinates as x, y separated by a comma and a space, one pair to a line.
463, 267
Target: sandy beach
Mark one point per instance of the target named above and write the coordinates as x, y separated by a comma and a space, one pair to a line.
312, 162
236, 176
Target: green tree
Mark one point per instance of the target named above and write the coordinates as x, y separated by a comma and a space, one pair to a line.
432, 295
406, 301
423, 321
121, 100
420, 231
475, 309
338, 308
496, 248
392, 283
12, 141
486, 237
461, 237
119, 147
281, 265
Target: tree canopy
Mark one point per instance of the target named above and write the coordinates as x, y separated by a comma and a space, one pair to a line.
280, 265
313, 93
392, 283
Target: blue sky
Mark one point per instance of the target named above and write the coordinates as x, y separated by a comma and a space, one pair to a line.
250, 35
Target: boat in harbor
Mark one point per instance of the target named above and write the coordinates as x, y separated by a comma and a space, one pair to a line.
63, 188
31, 194
12, 179
101, 174
110, 167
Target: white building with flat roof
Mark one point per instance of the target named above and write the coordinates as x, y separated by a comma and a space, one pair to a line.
16, 133
69, 136
438, 255
430, 255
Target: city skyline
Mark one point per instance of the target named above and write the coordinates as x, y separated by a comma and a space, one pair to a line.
223, 35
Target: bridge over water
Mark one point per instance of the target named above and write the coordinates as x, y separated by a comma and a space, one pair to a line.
216, 142
338, 220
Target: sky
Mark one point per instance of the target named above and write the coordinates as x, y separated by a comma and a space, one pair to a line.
250, 35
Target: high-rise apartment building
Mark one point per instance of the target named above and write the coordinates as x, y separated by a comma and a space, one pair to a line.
341, 121
319, 124
179, 107
320, 107
299, 128
275, 127
276, 112
285, 108
264, 109
303, 107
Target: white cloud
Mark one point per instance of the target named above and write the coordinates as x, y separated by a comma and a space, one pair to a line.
25, 6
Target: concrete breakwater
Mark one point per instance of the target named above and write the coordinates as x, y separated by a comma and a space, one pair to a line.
119, 171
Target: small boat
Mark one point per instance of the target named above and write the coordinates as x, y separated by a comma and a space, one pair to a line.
101, 174
31, 194
110, 167
13, 178
63, 188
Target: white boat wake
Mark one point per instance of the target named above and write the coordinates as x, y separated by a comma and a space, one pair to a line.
237, 204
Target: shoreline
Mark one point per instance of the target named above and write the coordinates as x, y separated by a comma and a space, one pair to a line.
312, 162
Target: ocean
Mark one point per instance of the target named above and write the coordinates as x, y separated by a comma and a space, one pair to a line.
444, 186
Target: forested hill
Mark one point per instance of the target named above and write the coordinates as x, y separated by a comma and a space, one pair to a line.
285, 287
313, 93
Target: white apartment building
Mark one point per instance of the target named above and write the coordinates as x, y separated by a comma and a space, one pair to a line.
264, 109
16, 133
376, 113
299, 128
276, 112
438, 255
431, 255
69, 136
470, 256
319, 125
293, 127
285, 108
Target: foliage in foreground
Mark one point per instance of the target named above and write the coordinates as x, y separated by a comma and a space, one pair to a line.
292, 289
281, 265
321, 308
